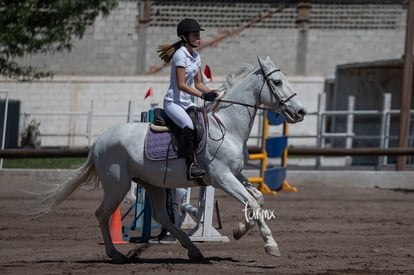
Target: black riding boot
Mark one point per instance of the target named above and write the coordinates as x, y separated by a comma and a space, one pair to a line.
193, 170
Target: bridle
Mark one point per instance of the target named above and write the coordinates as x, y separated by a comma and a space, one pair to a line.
281, 107
282, 102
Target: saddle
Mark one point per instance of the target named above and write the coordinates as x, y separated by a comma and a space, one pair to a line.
164, 137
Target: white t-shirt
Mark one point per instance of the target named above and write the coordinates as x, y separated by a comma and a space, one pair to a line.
191, 63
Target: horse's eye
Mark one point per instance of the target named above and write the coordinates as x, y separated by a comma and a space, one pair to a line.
277, 82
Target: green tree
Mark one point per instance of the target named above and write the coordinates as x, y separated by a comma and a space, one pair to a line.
30, 27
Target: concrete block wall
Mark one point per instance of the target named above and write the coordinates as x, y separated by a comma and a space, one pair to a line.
114, 46
109, 47
228, 55
329, 48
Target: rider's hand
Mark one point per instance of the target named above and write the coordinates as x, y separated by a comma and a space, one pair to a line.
210, 96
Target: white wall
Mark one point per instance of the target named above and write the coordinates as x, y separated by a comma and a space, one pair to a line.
51, 101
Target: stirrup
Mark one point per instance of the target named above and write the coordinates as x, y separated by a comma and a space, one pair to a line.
195, 172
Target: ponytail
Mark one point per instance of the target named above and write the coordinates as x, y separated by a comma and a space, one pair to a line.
166, 51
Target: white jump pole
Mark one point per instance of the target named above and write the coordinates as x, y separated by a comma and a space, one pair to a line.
204, 230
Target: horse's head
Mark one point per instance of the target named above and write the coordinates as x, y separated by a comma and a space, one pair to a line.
278, 94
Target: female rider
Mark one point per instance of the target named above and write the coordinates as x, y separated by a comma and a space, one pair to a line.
185, 70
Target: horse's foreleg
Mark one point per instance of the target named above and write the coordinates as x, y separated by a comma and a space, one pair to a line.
232, 185
251, 189
250, 220
243, 227
160, 214
270, 246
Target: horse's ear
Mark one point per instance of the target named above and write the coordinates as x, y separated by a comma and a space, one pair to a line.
265, 63
262, 63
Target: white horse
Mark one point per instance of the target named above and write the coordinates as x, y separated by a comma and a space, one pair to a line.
117, 157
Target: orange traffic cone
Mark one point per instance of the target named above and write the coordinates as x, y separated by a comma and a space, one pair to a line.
116, 228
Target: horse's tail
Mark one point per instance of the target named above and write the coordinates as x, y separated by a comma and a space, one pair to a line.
84, 175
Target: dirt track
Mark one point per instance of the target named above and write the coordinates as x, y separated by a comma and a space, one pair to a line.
320, 229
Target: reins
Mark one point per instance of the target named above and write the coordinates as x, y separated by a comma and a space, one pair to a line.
218, 120
282, 105
242, 104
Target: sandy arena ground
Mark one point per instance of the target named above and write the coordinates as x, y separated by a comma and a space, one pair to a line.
322, 228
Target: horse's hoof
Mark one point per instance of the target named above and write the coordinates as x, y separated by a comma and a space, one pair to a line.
119, 258
239, 231
195, 256
272, 250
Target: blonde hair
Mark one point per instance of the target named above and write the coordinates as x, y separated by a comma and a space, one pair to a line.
166, 51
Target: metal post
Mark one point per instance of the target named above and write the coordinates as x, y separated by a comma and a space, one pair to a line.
130, 110
89, 124
6, 112
385, 126
350, 126
407, 86
350, 121
319, 125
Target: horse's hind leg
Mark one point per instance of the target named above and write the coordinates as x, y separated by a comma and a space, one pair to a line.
160, 214
115, 184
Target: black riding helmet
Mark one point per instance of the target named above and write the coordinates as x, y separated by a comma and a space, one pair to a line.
188, 25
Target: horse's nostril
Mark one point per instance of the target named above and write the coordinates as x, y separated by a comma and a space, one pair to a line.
302, 112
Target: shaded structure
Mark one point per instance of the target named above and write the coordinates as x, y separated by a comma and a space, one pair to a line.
368, 82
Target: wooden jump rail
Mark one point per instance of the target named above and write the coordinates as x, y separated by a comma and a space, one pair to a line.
83, 152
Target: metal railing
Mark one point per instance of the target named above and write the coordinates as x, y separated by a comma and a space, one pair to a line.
349, 135
88, 116
321, 136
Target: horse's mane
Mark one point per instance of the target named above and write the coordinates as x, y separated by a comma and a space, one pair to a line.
233, 78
